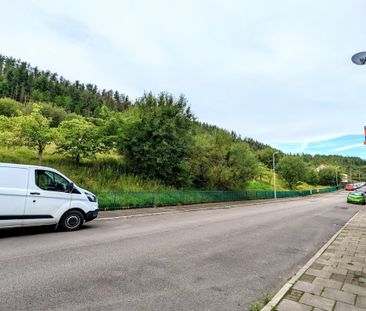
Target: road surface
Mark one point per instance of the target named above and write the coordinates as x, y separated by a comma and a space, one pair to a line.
219, 259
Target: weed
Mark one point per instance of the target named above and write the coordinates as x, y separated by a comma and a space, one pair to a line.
256, 306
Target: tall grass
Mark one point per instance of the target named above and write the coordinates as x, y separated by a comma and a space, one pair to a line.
106, 172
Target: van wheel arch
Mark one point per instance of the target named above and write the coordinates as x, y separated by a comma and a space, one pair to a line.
76, 209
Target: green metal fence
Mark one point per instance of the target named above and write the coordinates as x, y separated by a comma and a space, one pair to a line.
118, 200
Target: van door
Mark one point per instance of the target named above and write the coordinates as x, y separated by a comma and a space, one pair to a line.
13, 193
47, 197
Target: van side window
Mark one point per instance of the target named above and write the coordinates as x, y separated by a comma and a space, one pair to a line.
50, 181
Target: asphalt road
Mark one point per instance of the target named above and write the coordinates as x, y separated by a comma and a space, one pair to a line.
219, 259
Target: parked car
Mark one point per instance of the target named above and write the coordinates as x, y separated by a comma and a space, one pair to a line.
350, 187
38, 195
357, 197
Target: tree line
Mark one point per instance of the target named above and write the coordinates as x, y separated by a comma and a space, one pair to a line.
158, 137
24, 83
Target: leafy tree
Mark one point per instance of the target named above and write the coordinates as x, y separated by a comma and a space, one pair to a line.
50, 111
328, 176
312, 176
266, 156
9, 131
219, 174
35, 131
292, 169
218, 162
157, 145
79, 138
10, 107
243, 163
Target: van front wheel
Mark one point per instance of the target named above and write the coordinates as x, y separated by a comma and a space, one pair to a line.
72, 220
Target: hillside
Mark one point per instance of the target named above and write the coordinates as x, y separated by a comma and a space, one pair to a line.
104, 140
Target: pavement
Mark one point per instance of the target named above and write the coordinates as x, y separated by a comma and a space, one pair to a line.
204, 259
336, 281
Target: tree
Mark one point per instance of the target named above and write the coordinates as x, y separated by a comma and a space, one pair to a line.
312, 176
9, 107
217, 173
292, 169
243, 163
9, 131
79, 138
219, 162
55, 114
328, 176
266, 156
35, 131
157, 145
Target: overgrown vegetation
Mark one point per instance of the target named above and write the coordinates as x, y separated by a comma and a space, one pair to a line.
103, 140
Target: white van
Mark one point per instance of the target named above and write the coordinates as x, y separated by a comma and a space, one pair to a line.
37, 195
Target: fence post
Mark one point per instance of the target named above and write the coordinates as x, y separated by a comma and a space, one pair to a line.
114, 200
181, 197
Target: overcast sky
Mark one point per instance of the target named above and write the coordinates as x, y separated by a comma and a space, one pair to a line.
277, 71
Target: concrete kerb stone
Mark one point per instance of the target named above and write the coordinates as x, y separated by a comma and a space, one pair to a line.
282, 292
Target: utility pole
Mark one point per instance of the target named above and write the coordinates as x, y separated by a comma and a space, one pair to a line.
274, 174
350, 176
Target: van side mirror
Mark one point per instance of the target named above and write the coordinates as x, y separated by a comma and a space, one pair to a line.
69, 187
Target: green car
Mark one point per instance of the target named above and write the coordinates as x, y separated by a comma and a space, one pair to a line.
357, 197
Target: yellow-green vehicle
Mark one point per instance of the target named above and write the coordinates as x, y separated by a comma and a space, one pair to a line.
357, 197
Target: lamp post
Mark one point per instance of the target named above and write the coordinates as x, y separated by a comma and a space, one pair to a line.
274, 174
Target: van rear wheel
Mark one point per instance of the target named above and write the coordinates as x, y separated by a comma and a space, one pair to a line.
71, 221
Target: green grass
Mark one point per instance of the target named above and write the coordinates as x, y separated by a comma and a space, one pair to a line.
305, 186
258, 185
265, 182
105, 173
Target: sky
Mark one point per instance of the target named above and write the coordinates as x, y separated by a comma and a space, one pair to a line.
276, 71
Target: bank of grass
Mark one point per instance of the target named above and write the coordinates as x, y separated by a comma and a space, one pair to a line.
265, 183
105, 173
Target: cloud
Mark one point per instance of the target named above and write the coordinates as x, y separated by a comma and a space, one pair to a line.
348, 147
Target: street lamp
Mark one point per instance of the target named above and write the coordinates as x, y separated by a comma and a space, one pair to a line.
359, 58
274, 174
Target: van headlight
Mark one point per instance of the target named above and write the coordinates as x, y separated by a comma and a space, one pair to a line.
91, 197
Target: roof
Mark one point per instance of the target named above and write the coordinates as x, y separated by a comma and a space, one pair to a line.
24, 166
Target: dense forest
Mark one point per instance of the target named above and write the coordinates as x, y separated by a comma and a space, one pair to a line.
24, 83
152, 138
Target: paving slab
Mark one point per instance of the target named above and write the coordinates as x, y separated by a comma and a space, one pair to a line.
339, 295
289, 305
317, 301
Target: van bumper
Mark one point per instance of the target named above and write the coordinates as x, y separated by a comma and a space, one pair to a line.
91, 215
